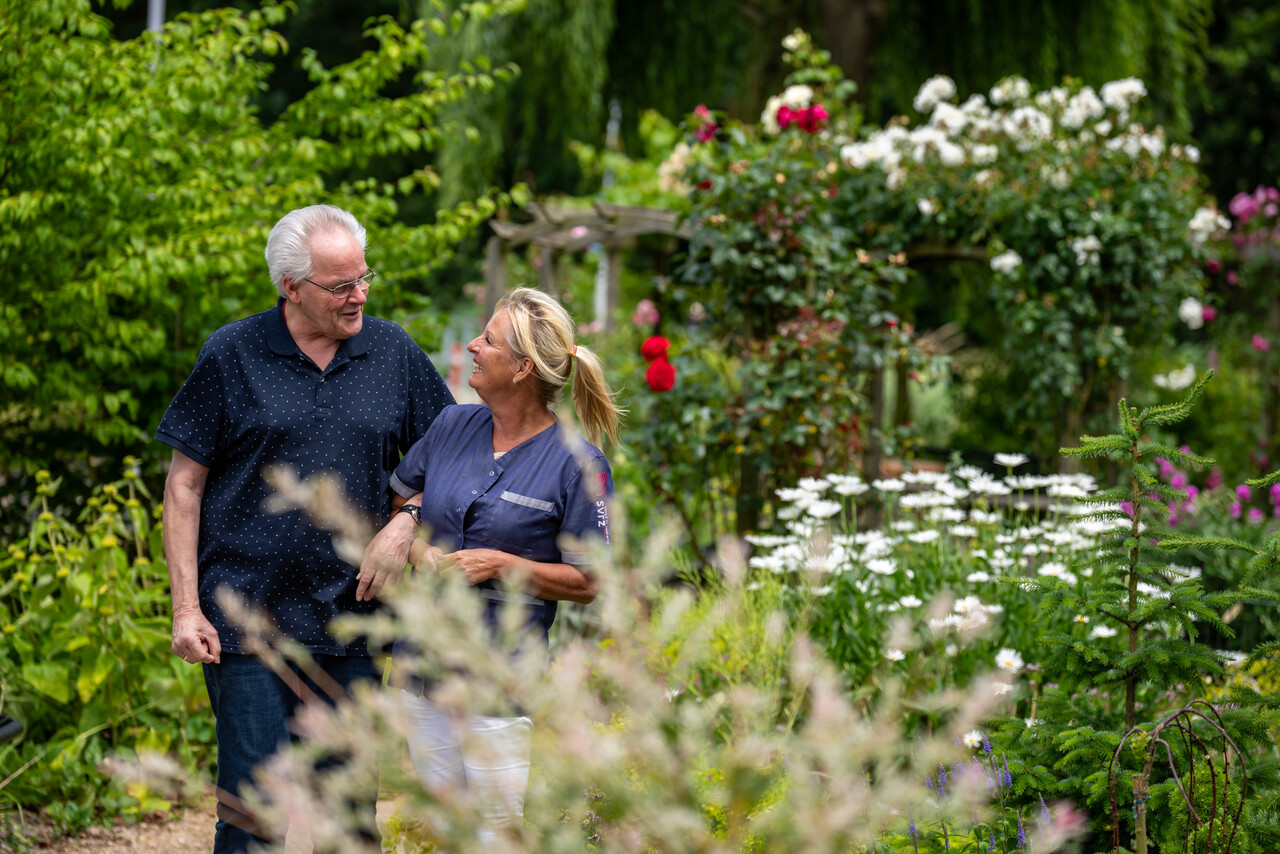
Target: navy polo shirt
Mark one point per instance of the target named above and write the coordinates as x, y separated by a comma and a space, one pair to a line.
549, 485
255, 400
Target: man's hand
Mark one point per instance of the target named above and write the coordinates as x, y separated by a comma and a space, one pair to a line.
386, 557
195, 639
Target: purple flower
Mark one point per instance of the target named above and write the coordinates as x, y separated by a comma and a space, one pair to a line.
1193, 492
1022, 832
991, 837
1127, 508
1179, 480
1006, 777
1214, 480
1236, 510
1044, 811
1255, 516
986, 745
1243, 492
1166, 467
1259, 343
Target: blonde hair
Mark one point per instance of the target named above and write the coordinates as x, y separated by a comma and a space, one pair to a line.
542, 331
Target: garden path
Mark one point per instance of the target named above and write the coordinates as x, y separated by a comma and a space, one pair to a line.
190, 833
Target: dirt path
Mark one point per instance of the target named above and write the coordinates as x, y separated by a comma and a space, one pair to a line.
191, 832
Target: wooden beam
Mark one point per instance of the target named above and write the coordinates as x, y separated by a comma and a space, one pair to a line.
495, 273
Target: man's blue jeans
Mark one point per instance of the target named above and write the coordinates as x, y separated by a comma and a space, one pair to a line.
253, 707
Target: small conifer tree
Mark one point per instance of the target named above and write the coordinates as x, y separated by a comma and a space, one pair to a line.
1141, 655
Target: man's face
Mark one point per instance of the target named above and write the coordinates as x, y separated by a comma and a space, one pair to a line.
336, 258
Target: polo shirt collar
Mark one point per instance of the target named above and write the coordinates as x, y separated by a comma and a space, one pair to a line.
282, 343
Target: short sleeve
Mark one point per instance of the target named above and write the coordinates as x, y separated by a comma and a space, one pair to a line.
410, 477
588, 501
195, 416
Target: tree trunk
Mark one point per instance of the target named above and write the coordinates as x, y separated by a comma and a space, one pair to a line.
851, 31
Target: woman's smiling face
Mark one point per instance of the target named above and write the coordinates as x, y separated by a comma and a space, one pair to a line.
491, 355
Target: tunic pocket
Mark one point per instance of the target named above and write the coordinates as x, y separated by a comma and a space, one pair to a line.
527, 501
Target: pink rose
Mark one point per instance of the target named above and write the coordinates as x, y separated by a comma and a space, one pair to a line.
1260, 344
646, 313
1209, 313
1243, 206
707, 130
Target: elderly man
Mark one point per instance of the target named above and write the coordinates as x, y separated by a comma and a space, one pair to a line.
311, 384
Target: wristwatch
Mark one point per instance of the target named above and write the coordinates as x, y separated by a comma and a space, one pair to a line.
413, 510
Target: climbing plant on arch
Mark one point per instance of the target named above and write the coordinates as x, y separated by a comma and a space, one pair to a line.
1084, 227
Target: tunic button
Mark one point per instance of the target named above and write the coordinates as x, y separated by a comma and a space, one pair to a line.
473, 492
490, 474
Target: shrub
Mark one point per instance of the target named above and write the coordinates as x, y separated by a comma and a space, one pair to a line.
85, 663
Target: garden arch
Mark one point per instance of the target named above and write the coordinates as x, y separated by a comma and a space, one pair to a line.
556, 231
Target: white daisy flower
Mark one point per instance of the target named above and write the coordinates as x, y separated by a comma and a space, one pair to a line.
1011, 460
1009, 660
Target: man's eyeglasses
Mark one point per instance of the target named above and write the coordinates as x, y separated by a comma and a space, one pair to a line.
344, 290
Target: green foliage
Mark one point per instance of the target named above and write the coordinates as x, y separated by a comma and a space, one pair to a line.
1233, 120
520, 132
1084, 214
1046, 40
1160, 611
708, 654
85, 663
800, 315
139, 183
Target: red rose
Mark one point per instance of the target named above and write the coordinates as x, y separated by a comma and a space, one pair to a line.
661, 375
812, 119
654, 347
786, 116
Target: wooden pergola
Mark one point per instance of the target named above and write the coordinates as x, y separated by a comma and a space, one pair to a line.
556, 231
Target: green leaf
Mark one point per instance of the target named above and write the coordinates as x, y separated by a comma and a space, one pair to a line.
93, 670
49, 678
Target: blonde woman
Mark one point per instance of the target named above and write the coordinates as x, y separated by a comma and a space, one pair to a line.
506, 480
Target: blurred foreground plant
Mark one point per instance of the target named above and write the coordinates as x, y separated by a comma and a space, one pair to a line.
622, 761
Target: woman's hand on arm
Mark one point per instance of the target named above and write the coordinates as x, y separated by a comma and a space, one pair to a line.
552, 581
194, 637
387, 554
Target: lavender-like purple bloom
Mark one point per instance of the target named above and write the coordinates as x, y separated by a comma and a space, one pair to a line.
1044, 811
1006, 777
1022, 832
986, 744
991, 837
